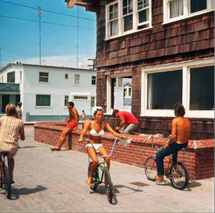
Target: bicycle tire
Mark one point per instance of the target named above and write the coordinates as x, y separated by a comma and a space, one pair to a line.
109, 187
150, 168
181, 172
7, 178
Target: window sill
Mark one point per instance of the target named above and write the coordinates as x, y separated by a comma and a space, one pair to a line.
187, 17
170, 113
128, 33
43, 107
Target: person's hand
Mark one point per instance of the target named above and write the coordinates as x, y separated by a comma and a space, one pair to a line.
81, 139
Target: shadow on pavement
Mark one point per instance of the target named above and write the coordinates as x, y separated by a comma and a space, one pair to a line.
193, 184
25, 191
27, 147
127, 187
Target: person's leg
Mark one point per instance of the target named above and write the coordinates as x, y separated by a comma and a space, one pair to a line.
12, 162
103, 152
62, 138
160, 155
92, 155
130, 128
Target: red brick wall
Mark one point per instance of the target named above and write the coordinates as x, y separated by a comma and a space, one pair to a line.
198, 162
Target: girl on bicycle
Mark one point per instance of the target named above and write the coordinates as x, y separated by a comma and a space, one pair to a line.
96, 129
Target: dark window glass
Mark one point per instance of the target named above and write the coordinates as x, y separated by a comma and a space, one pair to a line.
202, 88
43, 100
11, 77
198, 5
43, 76
66, 98
164, 89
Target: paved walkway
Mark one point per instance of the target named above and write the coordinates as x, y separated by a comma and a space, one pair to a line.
55, 182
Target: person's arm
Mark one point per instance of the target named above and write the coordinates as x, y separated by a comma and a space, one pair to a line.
22, 132
84, 130
172, 136
114, 133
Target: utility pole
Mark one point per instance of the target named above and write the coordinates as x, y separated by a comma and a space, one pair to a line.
77, 39
40, 34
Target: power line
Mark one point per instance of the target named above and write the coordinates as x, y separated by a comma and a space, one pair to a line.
40, 34
16, 18
45, 10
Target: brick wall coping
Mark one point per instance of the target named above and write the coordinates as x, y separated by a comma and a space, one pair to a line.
141, 139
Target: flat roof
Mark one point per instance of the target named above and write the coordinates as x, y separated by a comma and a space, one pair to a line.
44, 66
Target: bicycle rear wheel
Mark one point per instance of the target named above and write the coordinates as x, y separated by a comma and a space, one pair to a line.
150, 168
179, 176
109, 187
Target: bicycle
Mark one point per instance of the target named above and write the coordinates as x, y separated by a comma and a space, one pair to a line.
5, 173
102, 174
177, 174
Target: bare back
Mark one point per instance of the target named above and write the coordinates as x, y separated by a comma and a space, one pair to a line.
181, 129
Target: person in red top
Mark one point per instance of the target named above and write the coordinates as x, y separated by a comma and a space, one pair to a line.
128, 121
72, 123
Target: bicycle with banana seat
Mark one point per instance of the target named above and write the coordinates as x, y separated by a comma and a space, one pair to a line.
177, 174
5, 173
102, 173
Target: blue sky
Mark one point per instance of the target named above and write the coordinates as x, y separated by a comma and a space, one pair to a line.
19, 39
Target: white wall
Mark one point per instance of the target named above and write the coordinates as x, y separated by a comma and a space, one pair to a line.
17, 68
57, 87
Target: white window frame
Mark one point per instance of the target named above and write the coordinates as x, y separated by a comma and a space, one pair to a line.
107, 21
186, 11
44, 77
120, 20
77, 81
185, 66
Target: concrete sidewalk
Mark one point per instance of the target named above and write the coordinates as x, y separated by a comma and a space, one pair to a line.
56, 182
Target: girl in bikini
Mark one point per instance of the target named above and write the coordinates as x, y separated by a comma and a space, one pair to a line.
95, 129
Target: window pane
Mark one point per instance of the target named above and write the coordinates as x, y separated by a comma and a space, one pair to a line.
93, 101
114, 28
143, 16
43, 76
176, 8
202, 88
93, 82
77, 78
128, 23
11, 77
164, 90
66, 99
43, 100
197, 5
113, 11
142, 4
81, 97
127, 6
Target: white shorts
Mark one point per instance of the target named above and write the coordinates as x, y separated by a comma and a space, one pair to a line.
96, 146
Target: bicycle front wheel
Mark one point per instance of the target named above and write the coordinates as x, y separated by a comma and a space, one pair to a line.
179, 176
109, 187
150, 168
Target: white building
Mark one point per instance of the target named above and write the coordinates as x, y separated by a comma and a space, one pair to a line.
44, 90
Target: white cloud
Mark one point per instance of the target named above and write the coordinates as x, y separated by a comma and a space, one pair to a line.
65, 61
